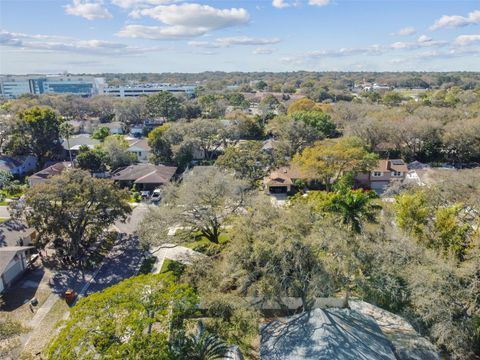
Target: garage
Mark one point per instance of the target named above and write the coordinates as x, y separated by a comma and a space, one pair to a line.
13, 262
278, 189
379, 186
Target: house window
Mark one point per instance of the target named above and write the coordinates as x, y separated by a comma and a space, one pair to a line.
377, 173
397, 173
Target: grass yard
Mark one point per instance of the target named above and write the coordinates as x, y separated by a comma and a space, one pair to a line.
175, 267
47, 329
205, 246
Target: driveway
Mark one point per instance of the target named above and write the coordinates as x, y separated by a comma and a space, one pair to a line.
130, 226
4, 212
175, 252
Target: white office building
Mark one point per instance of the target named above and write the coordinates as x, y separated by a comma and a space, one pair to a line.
14, 86
148, 89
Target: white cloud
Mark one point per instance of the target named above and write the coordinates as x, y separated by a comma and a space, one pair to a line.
463, 40
262, 51
197, 15
234, 40
456, 21
184, 20
126, 4
318, 2
406, 31
88, 10
64, 44
160, 32
280, 4
422, 41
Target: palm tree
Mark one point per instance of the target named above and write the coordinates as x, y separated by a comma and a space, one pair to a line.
354, 207
66, 130
204, 346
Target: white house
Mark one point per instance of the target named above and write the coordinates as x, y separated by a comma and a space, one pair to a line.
18, 165
13, 263
140, 148
115, 127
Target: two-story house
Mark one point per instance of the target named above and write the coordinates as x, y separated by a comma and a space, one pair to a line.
380, 177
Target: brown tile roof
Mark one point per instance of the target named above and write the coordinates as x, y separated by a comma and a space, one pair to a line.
391, 165
55, 169
145, 174
283, 176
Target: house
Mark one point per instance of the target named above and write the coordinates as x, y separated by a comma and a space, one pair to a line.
115, 127
74, 143
52, 170
327, 331
325, 334
18, 165
139, 147
144, 176
380, 177
282, 180
136, 131
14, 260
150, 124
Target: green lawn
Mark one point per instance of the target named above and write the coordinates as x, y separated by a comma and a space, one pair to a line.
175, 267
204, 246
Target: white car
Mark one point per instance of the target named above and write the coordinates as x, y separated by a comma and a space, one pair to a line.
156, 196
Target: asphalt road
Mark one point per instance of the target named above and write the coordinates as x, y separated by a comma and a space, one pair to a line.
126, 256
122, 262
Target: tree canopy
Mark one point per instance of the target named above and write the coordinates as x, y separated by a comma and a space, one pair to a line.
329, 159
72, 209
36, 132
201, 204
139, 318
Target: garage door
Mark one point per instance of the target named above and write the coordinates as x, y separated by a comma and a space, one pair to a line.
13, 272
278, 189
379, 186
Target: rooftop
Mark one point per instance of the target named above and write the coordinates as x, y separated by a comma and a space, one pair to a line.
283, 176
78, 140
10, 162
55, 169
340, 334
391, 165
7, 254
145, 174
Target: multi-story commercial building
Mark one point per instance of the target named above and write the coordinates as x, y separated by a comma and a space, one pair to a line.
148, 89
15, 86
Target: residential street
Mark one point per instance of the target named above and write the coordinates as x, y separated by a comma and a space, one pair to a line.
122, 262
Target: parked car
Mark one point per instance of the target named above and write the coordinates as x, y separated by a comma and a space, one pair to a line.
145, 195
156, 196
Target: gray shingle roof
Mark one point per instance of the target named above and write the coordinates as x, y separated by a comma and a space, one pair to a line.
7, 254
145, 174
340, 334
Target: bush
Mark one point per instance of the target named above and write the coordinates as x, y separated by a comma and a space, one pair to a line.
136, 197
147, 265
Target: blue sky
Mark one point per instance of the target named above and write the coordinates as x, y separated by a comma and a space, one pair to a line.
270, 35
